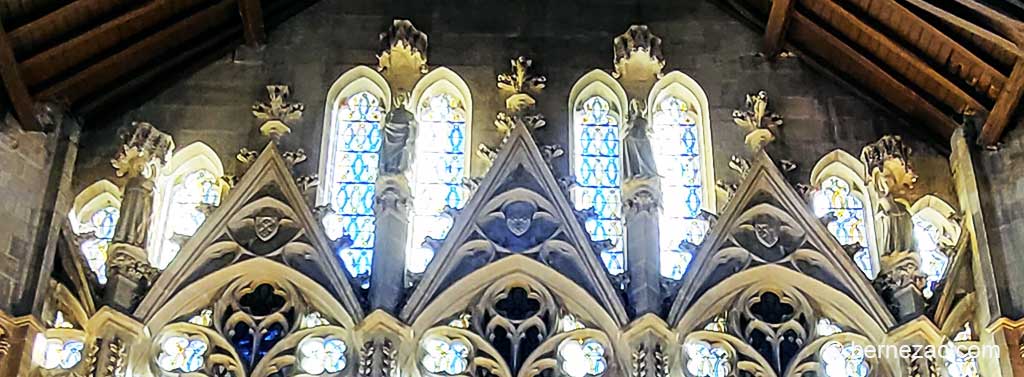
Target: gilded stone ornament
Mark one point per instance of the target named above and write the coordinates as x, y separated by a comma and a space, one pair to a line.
276, 113
294, 157
403, 54
762, 125
739, 165
521, 85
144, 149
638, 55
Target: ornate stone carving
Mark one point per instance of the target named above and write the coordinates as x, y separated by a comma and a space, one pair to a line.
521, 84
132, 268
143, 150
392, 194
641, 196
900, 284
638, 54
307, 182
276, 113
891, 176
739, 165
761, 124
403, 49
294, 157
637, 155
399, 126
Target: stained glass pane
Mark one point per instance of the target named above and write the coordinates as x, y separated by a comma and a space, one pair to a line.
350, 177
185, 213
582, 357
677, 149
933, 260
843, 360
597, 167
835, 196
706, 360
961, 362
102, 226
437, 173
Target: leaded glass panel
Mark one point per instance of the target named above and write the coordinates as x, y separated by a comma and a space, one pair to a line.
597, 162
836, 197
933, 261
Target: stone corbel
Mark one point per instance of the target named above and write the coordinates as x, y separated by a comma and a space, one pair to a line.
403, 54
641, 195
638, 56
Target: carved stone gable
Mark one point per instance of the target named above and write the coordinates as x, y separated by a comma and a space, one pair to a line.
519, 208
767, 223
265, 216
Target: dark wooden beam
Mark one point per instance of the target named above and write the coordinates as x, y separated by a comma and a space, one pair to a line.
10, 73
105, 37
813, 38
252, 22
46, 30
775, 31
1005, 106
108, 70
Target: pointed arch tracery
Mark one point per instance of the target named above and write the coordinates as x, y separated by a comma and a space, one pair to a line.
186, 191
681, 141
598, 105
443, 107
841, 191
351, 142
934, 235
94, 218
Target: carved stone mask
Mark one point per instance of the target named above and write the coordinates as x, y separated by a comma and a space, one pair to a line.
519, 216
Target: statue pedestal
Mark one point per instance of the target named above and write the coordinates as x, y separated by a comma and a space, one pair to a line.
129, 272
900, 284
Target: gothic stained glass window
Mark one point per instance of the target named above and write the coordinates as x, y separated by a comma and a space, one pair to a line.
839, 360
677, 151
835, 196
438, 171
933, 260
185, 214
596, 152
94, 249
350, 177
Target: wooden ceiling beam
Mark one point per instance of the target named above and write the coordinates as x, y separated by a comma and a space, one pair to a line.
811, 37
46, 30
1000, 116
252, 22
10, 73
775, 31
112, 68
60, 58
1004, 50
898, 58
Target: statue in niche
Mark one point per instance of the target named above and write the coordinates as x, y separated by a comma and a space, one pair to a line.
637, 155
399, 126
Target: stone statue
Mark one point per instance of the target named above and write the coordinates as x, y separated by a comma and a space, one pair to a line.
396, 152
895, 224
637, 155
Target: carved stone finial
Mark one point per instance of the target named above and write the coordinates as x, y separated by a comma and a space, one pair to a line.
889, 159
638, 54
522, 84
277, 112
403, 48
144, 149
760, 123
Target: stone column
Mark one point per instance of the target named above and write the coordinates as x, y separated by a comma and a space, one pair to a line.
641, 202
391, 207
144, 151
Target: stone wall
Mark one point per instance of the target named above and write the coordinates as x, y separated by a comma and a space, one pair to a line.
1001, 182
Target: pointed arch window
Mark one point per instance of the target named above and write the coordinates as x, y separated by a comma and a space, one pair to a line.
438, 171
185, 195
679, 142
352, 169
835, 196
596, 158
94, 219
934, 233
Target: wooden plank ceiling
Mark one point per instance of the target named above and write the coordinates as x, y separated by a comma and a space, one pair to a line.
933, 59
96, 55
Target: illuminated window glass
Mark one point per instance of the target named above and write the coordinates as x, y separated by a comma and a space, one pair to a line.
438, 171
677, 150
185, 213
705, 360
933, 261
94, 249
597, 167
839, 360
350, 177
835, 196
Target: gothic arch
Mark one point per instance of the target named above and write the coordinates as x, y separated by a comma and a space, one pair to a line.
849, 169
443, 80
93, 219
99, 195
598, 83
938, 212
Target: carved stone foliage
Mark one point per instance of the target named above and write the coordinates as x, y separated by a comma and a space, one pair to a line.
276, 113
143, 150
761, 124
403, 54
255, 328
638, 54
521, 84
517, 327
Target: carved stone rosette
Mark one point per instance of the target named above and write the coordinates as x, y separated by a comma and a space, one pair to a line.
638, 54
276, 112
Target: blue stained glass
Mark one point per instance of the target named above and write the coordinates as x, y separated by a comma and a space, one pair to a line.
677, 148
835, 196
351, 175
438, 171
597, 150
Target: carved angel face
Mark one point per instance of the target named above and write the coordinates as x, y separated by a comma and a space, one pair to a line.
519, 216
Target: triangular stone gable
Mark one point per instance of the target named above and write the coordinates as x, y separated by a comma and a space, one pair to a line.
767, 222
519, 208
264, 216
